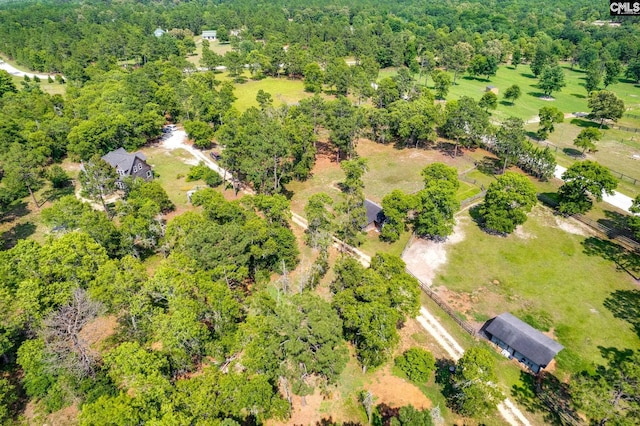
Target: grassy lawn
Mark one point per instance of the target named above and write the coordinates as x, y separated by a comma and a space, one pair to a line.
572, 97
389, 168
542, 268
170, 171
283, 91
214, 45
616, 151
50, 88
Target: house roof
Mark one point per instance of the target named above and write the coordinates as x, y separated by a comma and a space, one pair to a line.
121, 159
159, 32
491, 87
374, 212
209, 33
523, 338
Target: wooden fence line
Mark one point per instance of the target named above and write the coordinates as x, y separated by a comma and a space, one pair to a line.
445, 307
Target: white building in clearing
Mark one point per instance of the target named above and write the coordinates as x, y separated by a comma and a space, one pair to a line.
209, 34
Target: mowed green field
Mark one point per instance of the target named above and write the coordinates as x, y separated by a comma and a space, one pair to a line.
572, 97
550, 265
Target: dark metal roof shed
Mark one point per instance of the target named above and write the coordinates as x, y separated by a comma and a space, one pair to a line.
523, 338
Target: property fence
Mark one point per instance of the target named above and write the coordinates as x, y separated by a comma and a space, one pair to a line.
445, 307
611, 233
619, 175
632, 115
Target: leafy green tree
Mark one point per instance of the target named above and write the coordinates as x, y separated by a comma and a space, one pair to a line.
151, 190
395, 207
371, 302
512, 93
593, 78
610, 395
605, 106
475, 383
410, 416
488, 101
7, 397
542, 59
22, 169
583, 181
441, 83
353, 213
634, 220
313, 78
551, 80
507, 202
264, 99
465, 122
417, 363
293, 337
436, 204
6, 83
200, 133
548, 117
338, 76
510, 141
387, 93
98, 179
457, 58
58, 177
320, 221
483, 65
345, 122
612, 70
587, 139
516, 57
415, 121
633, 70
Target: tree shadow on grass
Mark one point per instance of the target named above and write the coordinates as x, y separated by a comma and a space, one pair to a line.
624, 259
546, 395
538, 95
579, 96
54, 194
489, 166
17, 210
587, 123
527, 75
506, 103
617, 222
18, 232
572, 152
331, 422
443, 377
615, 355
625, 305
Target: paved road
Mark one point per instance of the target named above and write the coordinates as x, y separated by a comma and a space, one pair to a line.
18, 73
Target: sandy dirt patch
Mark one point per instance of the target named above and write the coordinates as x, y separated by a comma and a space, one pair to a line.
98, 330
396, 392
573, 226
425, 257
522, 234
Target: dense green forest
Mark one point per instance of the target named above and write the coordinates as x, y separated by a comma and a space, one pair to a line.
207, 323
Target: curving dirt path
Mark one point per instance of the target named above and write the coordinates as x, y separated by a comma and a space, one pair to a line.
423, 263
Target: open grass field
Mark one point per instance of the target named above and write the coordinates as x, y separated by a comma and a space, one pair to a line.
572, 97
214, 46
282, 90
550, 266
50, 88
389, 168
618, 150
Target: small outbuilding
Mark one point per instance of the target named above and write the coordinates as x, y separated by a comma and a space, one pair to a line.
375, 217
209, 34
519, 340
493, 89
159, 32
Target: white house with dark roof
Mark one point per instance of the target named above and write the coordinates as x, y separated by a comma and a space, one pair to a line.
126, 164
521, 341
